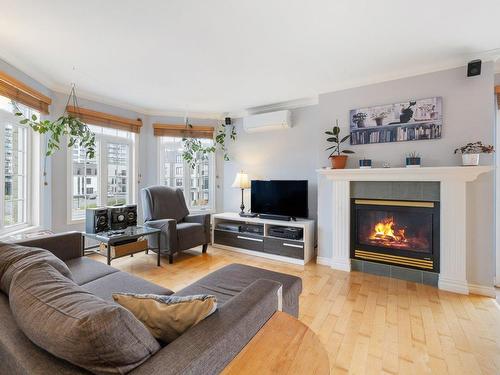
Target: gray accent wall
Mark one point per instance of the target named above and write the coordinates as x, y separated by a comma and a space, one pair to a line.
469, 115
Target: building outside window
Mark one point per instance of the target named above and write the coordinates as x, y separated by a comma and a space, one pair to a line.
105, 180
198, 183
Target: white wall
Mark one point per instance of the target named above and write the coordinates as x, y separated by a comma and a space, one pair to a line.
468, 105
280, 154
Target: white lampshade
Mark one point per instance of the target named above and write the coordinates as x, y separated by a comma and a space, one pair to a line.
241, 181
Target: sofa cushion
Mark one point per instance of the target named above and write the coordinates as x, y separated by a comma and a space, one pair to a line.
85, 270
71, 323
122, 282
190, 235
14, 258
167, 317
230, 280
19, 356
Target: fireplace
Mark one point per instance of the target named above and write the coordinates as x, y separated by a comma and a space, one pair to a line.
394, 232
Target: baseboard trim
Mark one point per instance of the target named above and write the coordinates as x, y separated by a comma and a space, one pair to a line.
482, 290
324, 261
341, 264
452, 285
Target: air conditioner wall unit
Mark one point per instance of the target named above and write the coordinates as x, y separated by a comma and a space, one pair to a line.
267, 121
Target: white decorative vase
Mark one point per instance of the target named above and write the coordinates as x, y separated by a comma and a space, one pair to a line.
470, 159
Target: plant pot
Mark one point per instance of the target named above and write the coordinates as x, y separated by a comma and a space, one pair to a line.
379, 121
470, 159
338, 161
360, 123
413, 162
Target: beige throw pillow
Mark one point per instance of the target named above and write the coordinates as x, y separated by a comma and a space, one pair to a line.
167, 317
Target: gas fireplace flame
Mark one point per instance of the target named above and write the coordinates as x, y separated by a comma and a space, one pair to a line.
385, 231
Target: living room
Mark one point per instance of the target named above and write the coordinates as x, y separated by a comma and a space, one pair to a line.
249, 188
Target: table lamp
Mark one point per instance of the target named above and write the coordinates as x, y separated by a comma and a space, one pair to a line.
242, 182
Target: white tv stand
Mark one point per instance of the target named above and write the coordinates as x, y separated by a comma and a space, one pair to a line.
264, 245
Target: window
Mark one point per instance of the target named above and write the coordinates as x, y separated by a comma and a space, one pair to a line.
105, 180
17, 160
197, 184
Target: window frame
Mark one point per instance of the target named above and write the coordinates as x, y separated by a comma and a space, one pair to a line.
103, 140
187, 184
32, 206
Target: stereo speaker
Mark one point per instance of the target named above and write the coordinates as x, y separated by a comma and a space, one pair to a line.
131, 215
96, 220
474, 68
117, 217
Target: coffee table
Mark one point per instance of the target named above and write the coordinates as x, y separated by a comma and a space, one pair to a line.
111, 238
284, 345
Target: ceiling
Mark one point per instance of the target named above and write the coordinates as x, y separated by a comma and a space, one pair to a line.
226, 56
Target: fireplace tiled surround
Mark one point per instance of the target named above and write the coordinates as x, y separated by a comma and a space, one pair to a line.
379, 197
446, 185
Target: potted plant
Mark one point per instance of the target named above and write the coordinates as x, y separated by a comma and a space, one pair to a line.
365, 163
379, 118
359, 119
413, 160
471, 151
338, 160
407, 113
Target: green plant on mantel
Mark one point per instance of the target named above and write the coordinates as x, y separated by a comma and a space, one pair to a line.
66, 125
193, 148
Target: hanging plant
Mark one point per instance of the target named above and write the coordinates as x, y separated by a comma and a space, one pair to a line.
193, 148
67, 125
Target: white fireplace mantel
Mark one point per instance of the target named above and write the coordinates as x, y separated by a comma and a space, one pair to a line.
453, 257
406, 174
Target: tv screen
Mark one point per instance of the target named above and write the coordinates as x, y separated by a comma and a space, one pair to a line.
280, 197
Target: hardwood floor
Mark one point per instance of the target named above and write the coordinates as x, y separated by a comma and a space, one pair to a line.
368, 324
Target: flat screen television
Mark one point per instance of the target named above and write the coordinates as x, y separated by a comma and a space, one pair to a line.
280, 197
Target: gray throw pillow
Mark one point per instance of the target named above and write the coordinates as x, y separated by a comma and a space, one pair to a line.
14, 258
73, 324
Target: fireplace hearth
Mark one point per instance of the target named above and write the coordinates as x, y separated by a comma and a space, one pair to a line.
395, 232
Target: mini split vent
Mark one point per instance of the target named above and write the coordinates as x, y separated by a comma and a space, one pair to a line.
267, 121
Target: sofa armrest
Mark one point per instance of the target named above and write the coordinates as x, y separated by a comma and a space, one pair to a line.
65, 246
168, 236
203, 219
210, 345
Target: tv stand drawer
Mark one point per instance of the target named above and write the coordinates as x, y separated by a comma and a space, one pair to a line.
284, 247
246, 241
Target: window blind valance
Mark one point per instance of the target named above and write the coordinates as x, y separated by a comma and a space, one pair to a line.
22, 93
170, 130
497, 91
103, 119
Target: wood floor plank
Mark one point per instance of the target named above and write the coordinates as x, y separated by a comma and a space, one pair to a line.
368, 324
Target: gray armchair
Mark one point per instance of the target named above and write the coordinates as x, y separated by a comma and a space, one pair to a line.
165, 208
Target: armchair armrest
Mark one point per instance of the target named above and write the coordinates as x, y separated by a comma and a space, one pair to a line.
203, 219
65, 246
168, 236
210, 345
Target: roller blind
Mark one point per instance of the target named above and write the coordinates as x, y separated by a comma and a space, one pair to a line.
22, 93
171, 130
104, 119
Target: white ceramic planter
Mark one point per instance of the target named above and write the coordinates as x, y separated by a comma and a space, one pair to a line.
470, 159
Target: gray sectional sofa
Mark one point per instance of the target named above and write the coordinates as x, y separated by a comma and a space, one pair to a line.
247, 298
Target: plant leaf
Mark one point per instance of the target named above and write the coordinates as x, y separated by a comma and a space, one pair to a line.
345, 138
